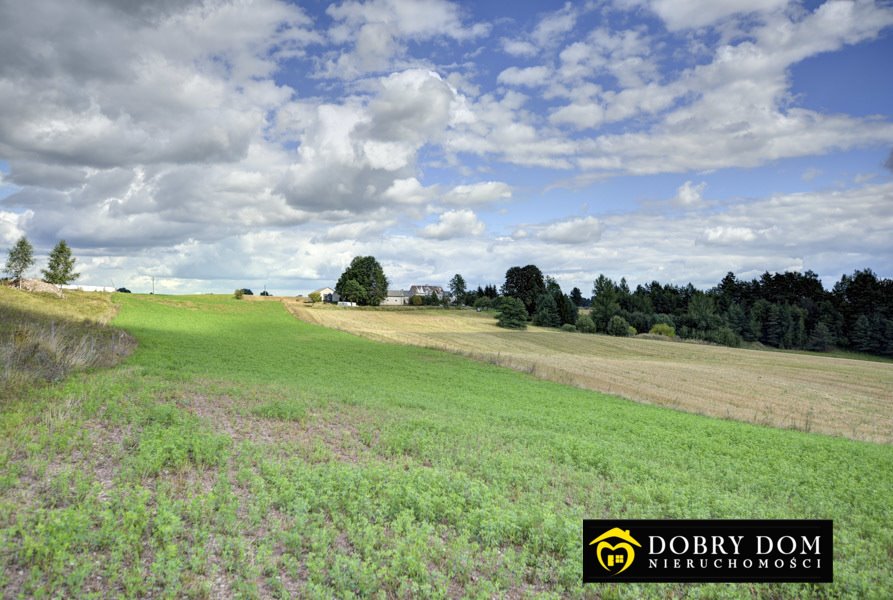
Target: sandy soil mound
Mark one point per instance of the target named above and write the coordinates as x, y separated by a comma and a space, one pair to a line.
36, 285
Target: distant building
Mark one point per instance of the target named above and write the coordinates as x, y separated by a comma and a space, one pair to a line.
396, 298
88, 288
328, 295
425, 291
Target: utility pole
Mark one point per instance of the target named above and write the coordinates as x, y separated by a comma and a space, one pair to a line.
153, 285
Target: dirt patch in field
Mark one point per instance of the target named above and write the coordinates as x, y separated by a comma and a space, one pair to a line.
335, 430
813, 393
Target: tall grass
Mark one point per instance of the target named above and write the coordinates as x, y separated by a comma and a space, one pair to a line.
39, 347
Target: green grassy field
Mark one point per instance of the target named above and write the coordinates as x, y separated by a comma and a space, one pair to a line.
240, 452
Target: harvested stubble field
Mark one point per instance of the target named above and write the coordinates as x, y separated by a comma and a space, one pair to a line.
818, 393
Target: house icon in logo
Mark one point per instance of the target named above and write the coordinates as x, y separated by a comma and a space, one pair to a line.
616, 558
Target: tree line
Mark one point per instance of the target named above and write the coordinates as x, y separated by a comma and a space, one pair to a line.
782, 310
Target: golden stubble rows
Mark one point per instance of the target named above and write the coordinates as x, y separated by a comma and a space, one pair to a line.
816, 393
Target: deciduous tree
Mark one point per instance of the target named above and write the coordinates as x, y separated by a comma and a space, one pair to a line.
60, 268
353, 291
526, 284
368, 274
20, 259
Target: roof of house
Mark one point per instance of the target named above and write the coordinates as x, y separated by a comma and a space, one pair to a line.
424, 290
397, 293
325, 290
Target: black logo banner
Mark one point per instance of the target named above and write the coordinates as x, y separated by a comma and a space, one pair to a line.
713, 551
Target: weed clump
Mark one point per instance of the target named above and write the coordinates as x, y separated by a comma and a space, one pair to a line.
280, 410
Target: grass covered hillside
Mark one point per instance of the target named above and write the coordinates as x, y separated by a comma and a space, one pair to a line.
241, 452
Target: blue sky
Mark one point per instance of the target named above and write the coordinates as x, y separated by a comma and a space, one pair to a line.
221, 144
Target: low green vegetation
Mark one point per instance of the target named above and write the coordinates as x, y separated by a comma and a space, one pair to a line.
663, 329
241, 453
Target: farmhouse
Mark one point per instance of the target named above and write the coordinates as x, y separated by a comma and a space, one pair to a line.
328, 295
426, 290
396, 298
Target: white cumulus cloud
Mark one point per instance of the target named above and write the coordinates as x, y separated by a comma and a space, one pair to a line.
454, 224
530, 76
580, 230
690, 194
478, 193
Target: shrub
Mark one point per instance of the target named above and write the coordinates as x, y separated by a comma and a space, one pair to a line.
247, 292
585, 324
315, 297
663, 329
618, 326
238, 294
724, 336
265, 293
416, 300
631, 331
483, 303
641, 321
569, 328
122, 290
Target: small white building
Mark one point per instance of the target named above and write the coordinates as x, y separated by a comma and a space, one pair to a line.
88, 288
328, 295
